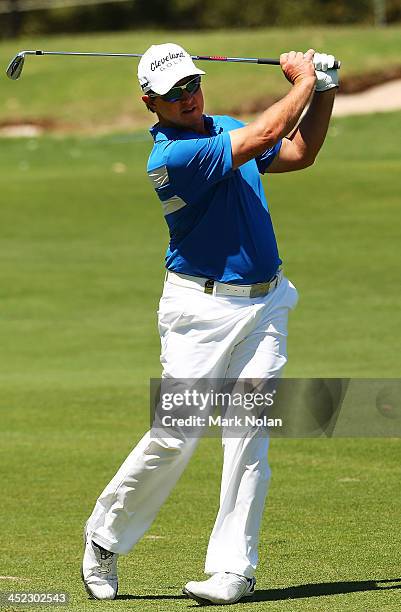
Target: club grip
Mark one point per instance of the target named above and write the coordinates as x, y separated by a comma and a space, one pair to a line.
276, 62
267, 60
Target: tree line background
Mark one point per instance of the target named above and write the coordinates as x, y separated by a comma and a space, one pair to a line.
20, 17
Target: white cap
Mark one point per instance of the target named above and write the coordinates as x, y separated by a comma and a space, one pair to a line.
162, 66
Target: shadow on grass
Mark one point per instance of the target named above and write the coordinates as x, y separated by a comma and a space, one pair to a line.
150, 597
296, 592
326, 588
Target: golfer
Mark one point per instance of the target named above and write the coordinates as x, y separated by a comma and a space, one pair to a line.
225, 304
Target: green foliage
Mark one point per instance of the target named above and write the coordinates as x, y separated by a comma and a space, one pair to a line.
195, 14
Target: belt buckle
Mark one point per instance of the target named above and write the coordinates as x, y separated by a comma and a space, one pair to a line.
260, 289
209, 287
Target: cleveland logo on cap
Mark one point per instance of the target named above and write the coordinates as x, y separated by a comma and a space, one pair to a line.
162, 66
170, 56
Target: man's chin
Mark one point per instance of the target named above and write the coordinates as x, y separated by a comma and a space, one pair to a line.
187, 120
191, 115
192, 118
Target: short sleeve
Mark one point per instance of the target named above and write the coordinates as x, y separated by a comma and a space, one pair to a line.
199, 163
264, 160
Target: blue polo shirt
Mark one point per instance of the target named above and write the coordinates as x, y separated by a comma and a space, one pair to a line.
218, 218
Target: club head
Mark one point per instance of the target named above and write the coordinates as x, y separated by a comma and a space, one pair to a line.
16, 65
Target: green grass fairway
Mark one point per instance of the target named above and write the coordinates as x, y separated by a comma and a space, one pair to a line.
89, 92
82, 244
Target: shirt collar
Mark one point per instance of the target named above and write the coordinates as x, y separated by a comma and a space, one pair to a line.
160, 133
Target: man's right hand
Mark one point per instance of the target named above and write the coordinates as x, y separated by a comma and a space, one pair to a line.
298, 66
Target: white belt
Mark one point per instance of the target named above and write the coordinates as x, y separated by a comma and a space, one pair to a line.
216, 288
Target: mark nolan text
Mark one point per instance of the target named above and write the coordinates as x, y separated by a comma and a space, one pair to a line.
220, 421
249, 420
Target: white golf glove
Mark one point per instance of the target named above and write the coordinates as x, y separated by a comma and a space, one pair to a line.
326, 75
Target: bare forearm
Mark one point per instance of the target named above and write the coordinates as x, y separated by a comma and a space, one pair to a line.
278, 120
311, 132
274, 123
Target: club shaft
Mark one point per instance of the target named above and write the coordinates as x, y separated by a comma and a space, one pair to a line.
213, 58
247, 60
89, 54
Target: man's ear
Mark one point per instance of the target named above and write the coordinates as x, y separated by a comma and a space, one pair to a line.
149, 103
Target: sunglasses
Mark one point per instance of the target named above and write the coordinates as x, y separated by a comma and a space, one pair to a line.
177, 92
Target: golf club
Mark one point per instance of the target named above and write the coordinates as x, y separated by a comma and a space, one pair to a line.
17, 63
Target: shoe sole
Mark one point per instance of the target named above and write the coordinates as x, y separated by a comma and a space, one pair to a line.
200, 601
87, 589
207, 602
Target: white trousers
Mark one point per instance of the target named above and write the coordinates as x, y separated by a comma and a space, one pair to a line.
215, 337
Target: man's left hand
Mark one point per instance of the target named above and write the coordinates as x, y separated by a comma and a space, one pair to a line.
326, 75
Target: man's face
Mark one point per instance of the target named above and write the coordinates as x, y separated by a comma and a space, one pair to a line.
186, 113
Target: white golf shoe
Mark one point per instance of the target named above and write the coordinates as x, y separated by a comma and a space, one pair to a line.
221, 588
99, 570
